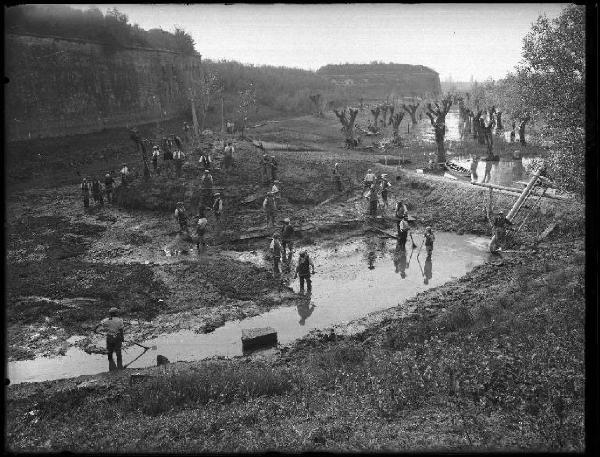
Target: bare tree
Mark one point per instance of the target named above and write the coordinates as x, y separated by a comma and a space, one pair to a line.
395, 120
317, 100
384, 111
347, 120
210, 85
376, 112
437, 117
247, 101
412, 110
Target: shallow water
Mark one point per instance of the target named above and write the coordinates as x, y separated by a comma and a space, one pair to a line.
353, 279
505, 172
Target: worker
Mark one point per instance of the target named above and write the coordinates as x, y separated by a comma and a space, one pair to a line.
303, 270
373, 199
287, 234
229, 126
206, 185
385, 185
181, 217
369, 179
499, 231
275, 190
269, 206
217, 207
266, 168
337, 177
276, 249
228, 156
201, 229
178, 158
85, 192
114, 328
273, 167
124, 174
429, 239
400, 212
403, 228
109, 182
155, 154
205, 161
97, 192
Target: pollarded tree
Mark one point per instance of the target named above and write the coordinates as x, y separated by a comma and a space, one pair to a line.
437, 117
376, 112
347, 120
395, 120
317, 101
384, 111
412, 110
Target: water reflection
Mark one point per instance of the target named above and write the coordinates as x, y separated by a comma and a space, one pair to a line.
305, 309
503, 172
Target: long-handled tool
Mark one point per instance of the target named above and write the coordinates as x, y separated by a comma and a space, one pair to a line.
422, 242
411, 254
127, 364
147, 348
413, 241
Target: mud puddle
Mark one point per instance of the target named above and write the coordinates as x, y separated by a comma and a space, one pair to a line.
353, 278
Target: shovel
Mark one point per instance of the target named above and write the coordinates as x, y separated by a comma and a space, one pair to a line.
413, 242
147, 348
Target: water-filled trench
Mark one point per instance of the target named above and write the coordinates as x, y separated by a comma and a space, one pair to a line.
353, 278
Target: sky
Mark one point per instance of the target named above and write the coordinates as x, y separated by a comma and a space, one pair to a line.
456, 40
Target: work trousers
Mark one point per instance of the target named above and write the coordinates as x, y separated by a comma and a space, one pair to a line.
155, 165
270, 217
308, 283
373, 207
98, 199
113, 344
429, 248
338, 183
276, 261
86, 201
178, 167
402, 235
108, 192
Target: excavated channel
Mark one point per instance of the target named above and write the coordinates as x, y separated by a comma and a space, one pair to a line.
353, 278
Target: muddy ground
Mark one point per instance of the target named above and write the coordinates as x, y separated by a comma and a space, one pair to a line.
66, 267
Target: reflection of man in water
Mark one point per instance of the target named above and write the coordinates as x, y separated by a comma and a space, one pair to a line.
427, 274
305, 310
488, 168
400, 260
474, 163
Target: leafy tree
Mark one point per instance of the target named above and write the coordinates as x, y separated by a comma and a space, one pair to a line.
247, 101
551, 80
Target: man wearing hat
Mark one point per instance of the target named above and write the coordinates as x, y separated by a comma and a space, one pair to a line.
178, 158
499, 231
85, 192
109, 182
275, 190
287, 233
114, 328
270, 207
429, 239
385, 184
276, 249
124, 174
337, 177
273, 166
403, 228
303, 269
206, 184
217, 206
265, 167
369, 179
181, 216
205, 160
155, 154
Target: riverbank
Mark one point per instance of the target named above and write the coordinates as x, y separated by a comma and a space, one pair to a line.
490, 361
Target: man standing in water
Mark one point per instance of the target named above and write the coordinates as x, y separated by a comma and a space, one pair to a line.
303, 269
403, 228
114, 328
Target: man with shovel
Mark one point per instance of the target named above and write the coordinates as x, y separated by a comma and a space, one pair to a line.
114, 328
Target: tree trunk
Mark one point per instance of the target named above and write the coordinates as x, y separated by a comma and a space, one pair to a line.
413, 117
439, 139
222, 116
194, 117
522, 132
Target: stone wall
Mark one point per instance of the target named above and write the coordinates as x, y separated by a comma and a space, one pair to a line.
63, 87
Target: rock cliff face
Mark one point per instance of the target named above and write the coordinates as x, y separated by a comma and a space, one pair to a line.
382, 80
63, 87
